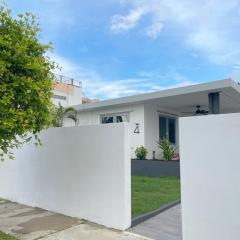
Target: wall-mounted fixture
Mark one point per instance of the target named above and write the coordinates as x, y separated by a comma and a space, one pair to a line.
153, 155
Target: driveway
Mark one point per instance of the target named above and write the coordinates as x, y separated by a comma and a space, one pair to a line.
27, 223
165, 226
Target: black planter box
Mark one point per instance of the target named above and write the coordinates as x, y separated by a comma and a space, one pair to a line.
155, 168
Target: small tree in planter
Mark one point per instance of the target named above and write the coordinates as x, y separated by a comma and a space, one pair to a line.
168, 150
62, 113
141, 153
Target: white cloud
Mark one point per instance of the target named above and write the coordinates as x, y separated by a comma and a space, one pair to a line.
235, 75
124, 23
208, 26
237, 67
96, 86
195, 55
154, 30
169, 75
182, 84
55, 17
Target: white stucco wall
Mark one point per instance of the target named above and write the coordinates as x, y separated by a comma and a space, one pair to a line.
136, 115
210, 166
82, 172
151, 125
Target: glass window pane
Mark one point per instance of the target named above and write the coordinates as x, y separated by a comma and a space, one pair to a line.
162, 127
122, 118
172, 130
119, 119
107, 119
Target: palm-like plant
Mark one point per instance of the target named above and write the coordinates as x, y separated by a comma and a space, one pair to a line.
168, 150
62, 113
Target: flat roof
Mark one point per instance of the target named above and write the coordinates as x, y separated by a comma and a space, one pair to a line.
213, 86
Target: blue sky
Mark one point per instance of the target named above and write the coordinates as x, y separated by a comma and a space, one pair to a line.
125, 47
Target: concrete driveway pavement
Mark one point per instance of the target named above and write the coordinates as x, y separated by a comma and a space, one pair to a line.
27, 223
165, 226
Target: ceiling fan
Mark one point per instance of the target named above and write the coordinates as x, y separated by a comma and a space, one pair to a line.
198, 111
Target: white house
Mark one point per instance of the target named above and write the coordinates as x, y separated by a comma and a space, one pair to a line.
154, 116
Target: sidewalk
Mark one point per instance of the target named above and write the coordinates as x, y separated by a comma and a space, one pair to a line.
27, 223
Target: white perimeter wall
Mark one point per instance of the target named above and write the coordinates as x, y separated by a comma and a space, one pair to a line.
210, 173
136, 115
82, 172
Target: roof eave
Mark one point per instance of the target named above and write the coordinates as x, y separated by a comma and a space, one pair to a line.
141, 98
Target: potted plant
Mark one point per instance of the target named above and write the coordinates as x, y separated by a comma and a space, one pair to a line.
141, 152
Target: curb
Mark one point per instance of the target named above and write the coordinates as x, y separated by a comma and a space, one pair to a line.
146, 216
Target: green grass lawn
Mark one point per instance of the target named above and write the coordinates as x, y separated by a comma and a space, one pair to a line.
150, 193
4, 236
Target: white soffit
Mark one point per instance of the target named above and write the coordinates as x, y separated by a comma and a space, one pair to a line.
228, 87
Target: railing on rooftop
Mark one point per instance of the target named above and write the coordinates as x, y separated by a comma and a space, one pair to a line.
68, 80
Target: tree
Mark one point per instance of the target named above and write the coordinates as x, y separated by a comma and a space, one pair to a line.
62, 113
25, 81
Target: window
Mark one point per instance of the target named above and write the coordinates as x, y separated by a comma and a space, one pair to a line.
167, 129
59, 97
107, 119
171, 130
114, 118
163, 127
122, 118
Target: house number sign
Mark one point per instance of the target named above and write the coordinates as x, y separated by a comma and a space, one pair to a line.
136, 130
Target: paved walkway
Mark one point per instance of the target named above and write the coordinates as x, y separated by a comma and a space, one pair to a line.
27, 223
164, 226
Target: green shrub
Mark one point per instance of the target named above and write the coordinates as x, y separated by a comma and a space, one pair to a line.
141, 152
168, 150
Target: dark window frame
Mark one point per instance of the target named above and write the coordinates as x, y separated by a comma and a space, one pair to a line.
115, 117
59, 97
166, 135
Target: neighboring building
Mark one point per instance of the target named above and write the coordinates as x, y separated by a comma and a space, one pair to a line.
67, 91
154, 116
89, 100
